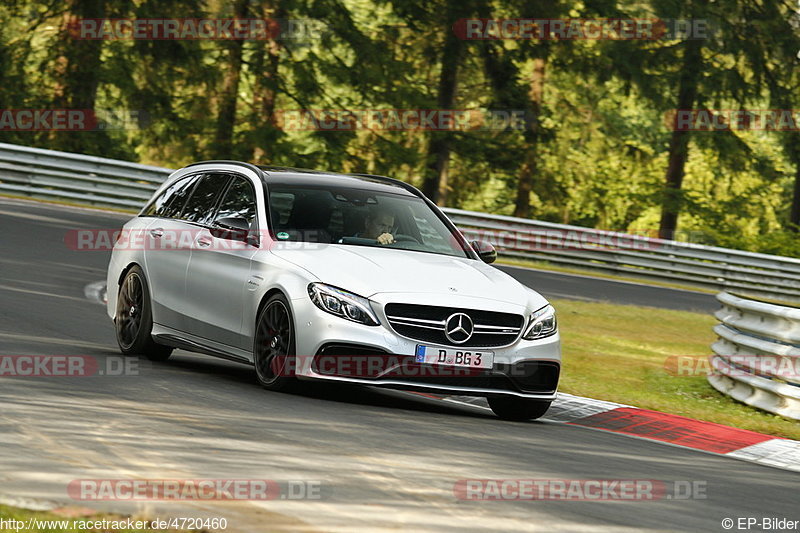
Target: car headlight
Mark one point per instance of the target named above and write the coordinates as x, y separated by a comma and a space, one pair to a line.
541, 324
342, 303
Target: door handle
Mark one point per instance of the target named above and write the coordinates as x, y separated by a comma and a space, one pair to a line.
157, 232
203, 242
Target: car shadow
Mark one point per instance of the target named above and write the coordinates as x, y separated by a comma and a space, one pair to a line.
318, 390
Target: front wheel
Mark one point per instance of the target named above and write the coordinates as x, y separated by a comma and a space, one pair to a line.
133, 320
274, 348
519, 409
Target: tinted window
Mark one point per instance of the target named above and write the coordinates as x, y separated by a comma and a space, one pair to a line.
204, 198
159, 205
174, 204
239, 201
280, 204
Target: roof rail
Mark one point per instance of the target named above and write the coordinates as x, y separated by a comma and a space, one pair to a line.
249, 166
277, 168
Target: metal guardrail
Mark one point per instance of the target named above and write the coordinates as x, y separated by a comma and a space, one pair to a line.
110, 183
80, 178
636, 256
757, 355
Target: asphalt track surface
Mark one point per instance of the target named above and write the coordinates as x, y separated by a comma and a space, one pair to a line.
383, 459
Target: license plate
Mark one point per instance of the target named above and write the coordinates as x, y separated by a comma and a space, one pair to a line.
434, 355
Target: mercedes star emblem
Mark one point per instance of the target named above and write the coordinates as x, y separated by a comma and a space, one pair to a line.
458, 328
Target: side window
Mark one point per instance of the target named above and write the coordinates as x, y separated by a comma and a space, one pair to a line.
239, 201
159, 205
200, 205
150, 210
174, 204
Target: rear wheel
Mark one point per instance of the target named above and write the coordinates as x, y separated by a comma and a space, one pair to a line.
274, 347
509, 408
133, 320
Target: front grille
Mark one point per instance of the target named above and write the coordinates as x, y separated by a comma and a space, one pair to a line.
427, 323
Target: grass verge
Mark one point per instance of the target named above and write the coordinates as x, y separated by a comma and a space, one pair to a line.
67, 520
619, 353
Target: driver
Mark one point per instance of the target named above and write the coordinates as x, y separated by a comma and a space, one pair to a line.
379, 225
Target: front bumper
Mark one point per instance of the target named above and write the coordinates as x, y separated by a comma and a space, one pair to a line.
334, 349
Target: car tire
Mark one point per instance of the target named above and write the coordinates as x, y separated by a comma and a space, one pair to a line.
133, 320
518, 409
274, 346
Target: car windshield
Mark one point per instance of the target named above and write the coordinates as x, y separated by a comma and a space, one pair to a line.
357, 217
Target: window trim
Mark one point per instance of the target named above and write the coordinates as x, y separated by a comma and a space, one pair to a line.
214, 207
191, 175
232, 177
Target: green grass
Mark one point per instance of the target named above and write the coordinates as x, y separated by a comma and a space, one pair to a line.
69, 514
618, 353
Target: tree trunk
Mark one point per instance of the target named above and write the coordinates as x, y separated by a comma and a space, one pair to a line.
267, 84
77, 70
435, 185
226, 115
512, 93
522, 204
794, 216
791, 147
782, 98
679, 142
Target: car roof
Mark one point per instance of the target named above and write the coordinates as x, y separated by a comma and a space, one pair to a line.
321, 178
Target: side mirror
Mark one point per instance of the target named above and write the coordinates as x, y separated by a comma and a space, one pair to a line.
485, 251
234, 229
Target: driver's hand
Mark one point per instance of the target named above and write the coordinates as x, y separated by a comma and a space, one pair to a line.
385, 238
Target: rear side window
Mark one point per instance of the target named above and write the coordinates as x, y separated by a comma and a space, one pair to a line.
239, 201
205, 195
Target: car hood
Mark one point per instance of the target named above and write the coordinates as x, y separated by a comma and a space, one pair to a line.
368, 271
